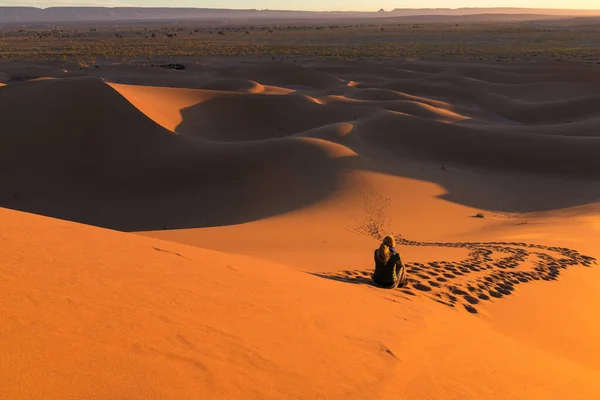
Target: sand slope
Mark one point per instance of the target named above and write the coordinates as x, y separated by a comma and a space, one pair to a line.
115, 142
122, 315
118, 166
231, 117
256, 193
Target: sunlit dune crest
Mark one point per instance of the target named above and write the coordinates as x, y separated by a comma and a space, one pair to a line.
199, 235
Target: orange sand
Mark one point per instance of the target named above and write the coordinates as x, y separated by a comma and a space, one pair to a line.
249, 205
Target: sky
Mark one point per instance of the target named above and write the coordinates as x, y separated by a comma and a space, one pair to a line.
332, 5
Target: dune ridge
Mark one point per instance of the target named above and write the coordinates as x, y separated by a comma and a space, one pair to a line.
253, 194
246, 137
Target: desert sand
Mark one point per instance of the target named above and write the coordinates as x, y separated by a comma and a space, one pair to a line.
209, 233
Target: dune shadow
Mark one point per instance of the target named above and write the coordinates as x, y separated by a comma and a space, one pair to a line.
488, 188
215, 186
99, 161
102, 162
484, 169
233, 117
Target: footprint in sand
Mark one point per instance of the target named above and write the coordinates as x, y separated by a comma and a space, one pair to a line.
479, 277
422, 287
470, 308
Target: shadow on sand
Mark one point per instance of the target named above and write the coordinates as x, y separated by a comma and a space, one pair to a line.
481, 277
104, 163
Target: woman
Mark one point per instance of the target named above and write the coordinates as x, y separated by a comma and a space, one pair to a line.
389, 269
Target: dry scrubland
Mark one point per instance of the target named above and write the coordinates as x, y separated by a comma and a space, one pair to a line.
485, 41
208, 233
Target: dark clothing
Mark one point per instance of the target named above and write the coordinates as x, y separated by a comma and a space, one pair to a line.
390, 274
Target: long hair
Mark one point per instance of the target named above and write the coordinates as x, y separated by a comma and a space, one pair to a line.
384, 250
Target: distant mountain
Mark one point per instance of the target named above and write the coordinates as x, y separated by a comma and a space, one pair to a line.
493, 10
75, 14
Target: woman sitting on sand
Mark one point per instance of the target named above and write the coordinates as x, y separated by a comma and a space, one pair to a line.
389, 269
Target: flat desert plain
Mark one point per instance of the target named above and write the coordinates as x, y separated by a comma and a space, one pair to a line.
208, 233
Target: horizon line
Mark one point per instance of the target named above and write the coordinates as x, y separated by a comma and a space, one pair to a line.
312, 11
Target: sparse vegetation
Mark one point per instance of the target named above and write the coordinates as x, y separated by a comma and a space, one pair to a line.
491, 42
480, 215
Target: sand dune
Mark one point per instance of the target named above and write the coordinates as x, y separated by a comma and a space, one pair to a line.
203, 328
231, 117
151, 313
374, 94
110, 160
584, 128
254, 193
234, 85
528, 73
287, 75
460, 125
518, 150
415, 108
96, 128
93, 131
541, 112
523, 89
13, 72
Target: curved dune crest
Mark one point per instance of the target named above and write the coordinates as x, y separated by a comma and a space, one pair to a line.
474, 146
526, 112
81, 122
116, 141
332, 133
42, 78
163, 104
233, 85
110, 161
416, 108
254, 206
377, 94
286, 75
247, 117
231, 117
242, 85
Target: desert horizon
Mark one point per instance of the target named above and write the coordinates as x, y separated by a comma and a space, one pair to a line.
197, 209
22, 14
